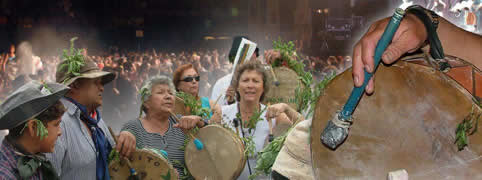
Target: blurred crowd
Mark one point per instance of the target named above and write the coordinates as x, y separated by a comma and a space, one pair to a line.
133, 67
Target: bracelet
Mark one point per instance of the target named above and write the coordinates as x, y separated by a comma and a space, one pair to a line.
430, 20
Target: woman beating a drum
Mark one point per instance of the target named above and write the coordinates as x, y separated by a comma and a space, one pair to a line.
186, 79
158, 129
250, 83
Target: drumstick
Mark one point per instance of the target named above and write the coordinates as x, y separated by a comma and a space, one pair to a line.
276, 82
337, 129
270, 125
216, 102
197, 142
178, 98
134, 175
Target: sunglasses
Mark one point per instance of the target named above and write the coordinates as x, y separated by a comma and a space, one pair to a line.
190, 79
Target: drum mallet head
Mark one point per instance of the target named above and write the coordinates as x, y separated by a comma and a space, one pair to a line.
164, 153
199, 144
276, 82
336, 131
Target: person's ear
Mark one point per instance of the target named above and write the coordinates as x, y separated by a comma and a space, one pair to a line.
31, 128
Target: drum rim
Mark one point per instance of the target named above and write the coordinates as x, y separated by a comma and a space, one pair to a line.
174, 175
447, 79
236, 139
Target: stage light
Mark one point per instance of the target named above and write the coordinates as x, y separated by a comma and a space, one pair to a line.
209, 38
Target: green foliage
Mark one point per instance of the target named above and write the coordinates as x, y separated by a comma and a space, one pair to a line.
194, 105
267, 156
254, 119
303, 93
287, 50
144, 92
249, 146
465, 129
47, 87
42, 132
167, 176
113, 156
74, 60
187, 175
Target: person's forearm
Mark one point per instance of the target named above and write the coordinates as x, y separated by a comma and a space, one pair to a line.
460, 43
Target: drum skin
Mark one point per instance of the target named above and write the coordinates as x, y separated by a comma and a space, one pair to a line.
408, 123
222, 157
180, 108
148, 165
285, 92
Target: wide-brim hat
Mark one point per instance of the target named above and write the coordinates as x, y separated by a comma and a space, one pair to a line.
28, 102
89, 70
294, 159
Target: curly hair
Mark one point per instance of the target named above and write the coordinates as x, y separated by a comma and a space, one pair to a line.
148, 84
253, 66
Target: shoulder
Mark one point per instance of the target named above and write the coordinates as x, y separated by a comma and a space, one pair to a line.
229, 112
7, 170
133, 124
229, 109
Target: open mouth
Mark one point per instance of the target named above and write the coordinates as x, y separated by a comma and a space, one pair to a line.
250, 93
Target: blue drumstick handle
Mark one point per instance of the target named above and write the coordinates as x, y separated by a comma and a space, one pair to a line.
382, 44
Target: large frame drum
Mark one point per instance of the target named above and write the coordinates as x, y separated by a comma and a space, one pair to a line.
149, 165
408, 123
222, 157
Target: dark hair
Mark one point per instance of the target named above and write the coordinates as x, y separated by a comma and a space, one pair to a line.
255, 66
52, 113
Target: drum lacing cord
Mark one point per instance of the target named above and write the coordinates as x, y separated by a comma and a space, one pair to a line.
341, 123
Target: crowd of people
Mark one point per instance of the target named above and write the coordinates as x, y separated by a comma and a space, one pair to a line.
133, 67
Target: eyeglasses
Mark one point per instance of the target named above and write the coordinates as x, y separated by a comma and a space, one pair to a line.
190, 79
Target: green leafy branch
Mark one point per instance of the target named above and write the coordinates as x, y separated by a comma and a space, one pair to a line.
254, 119
465, 129
113, 156
42, 132
144, 92
303, 93
249, 146
267, 156
73, 60
187, 175
194, 105
287, 50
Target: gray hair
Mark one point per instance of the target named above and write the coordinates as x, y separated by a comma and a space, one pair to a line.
146, 90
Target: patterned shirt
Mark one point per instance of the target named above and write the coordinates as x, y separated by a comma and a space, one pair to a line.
171, 142
75, 154
8, 163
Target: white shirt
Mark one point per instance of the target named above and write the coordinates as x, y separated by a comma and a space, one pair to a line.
260, 133
220, 88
